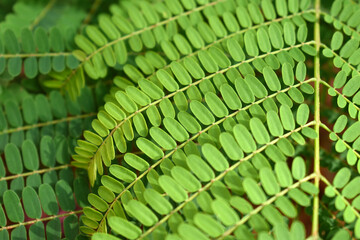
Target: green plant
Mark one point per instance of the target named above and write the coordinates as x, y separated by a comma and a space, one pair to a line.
226, 119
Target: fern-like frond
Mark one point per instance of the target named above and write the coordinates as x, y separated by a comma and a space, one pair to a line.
211, 129
39, 52
40, 191
204, 125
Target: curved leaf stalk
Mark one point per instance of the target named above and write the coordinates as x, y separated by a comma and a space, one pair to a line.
53, 122
241, 31
109, 44
346, 144
40, 171
220, 176
324, 180
342, 59
92, 161
41, 220
43, 13
194, 137
268, 202
26, 55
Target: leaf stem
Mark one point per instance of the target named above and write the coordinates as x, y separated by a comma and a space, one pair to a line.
92, 161
324, 180
41, 220
339, 138
43, 124
138, 32
198, 134
42, 14
315, 216
264, 204
222, 175
27, 55
40, 171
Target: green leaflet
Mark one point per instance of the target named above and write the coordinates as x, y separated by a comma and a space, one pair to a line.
340, 79
352, 86
352, 132
298, 168
13, 159
200, 168
271, 79
274, 124
276, 36
244, 91
263, 39
114, 111
124, 228
289, 33
283, 174
230, 97
195, 38
181, 74
255, 193
231, 148
300, 197
189, 122
185, 179
201, 113
268, 181
13, 206
235, 50
141, 212
269, 10
251, 44
149, 148
244, 138
287, 118
208, 62
13, 114
220, 57
224, 212
126, 102
97, 202
350, 190
259, 131
188, 231
157, 202
177, 193
151, 89
65, 195
112, 184
162, 138
193, 68
137, 96
208, 224
256, 86
175, 129
349, 47
167, 80
302, 114
48, 199
336, 40
281, 7
286, 206
214, 157
122, 173
216, 105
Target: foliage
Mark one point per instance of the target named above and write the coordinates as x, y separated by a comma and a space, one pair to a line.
222, 119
